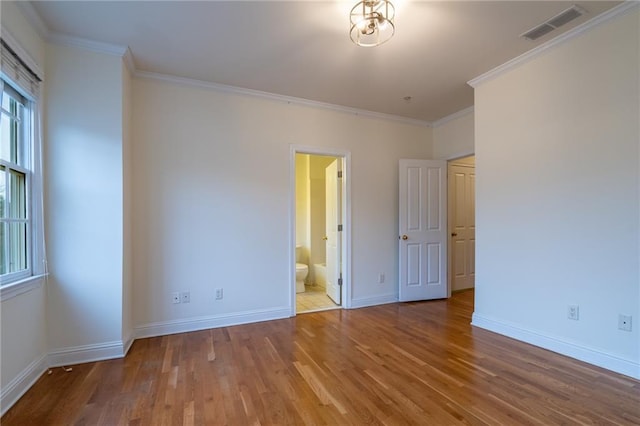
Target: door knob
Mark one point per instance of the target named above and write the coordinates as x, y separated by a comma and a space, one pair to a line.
404, 237
454, 234
325, 238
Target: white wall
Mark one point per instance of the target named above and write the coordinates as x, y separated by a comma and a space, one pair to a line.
84, 202
453, 136
211, 200
23, 342
557, 197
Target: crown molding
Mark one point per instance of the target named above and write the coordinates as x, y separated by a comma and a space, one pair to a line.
562, 38
33, 17
279, 98
83, 43
451, 117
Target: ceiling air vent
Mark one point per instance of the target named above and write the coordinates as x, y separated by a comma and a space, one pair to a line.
557, 21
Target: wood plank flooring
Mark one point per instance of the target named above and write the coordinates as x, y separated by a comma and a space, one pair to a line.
399, 364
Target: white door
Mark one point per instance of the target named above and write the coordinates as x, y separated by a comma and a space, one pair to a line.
423, 230
333, 236
462, 225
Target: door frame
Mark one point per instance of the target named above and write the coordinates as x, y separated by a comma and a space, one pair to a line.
449, 160
345, 255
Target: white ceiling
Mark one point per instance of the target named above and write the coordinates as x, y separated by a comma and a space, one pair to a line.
302, 48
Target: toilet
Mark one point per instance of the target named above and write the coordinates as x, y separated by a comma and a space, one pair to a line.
302, 271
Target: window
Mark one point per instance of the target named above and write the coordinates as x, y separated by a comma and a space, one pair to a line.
15, 183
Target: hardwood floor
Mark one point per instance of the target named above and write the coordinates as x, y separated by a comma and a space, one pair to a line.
410, 363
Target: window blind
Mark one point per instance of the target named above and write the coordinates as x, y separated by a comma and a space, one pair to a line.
17, 72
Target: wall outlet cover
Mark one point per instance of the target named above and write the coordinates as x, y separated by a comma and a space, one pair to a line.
573, 312
624, 322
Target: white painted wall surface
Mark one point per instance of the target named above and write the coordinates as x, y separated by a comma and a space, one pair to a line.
84, 203
454, 138
211, 198
557, 197
23, 341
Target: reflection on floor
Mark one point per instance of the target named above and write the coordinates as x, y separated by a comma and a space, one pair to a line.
313, 299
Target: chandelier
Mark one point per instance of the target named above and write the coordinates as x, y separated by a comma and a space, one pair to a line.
372, 22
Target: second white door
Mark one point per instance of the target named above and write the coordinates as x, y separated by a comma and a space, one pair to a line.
423, 230
462, 224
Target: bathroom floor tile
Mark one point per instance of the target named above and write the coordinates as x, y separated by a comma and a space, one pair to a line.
313, 299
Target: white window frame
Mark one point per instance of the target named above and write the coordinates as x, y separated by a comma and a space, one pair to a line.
25, 148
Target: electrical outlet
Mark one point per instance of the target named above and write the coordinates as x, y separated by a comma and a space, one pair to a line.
381, 278
175, 298
219, 294
573, 312
185, 297
624, 322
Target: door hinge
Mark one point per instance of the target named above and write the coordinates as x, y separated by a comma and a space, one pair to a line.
339, 228
340, 281
339, 174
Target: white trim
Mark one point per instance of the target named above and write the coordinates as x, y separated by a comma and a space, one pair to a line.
86, 353
346, 219
26, 285
214, 321
592, 356
83, 43
127, 343
34, 18
24, 56
223, 88
454, 116
20, 384
364, 302
537, 51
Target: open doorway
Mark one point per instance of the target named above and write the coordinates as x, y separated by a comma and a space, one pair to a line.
319, 231
462, 223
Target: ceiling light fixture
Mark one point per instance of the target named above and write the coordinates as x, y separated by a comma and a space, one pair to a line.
372, 22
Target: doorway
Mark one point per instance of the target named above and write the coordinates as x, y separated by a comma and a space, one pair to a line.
320, 206
462, 224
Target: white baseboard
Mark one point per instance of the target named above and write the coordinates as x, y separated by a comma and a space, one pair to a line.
22, 383
364, 302
582, 353
214, 321
86, 353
